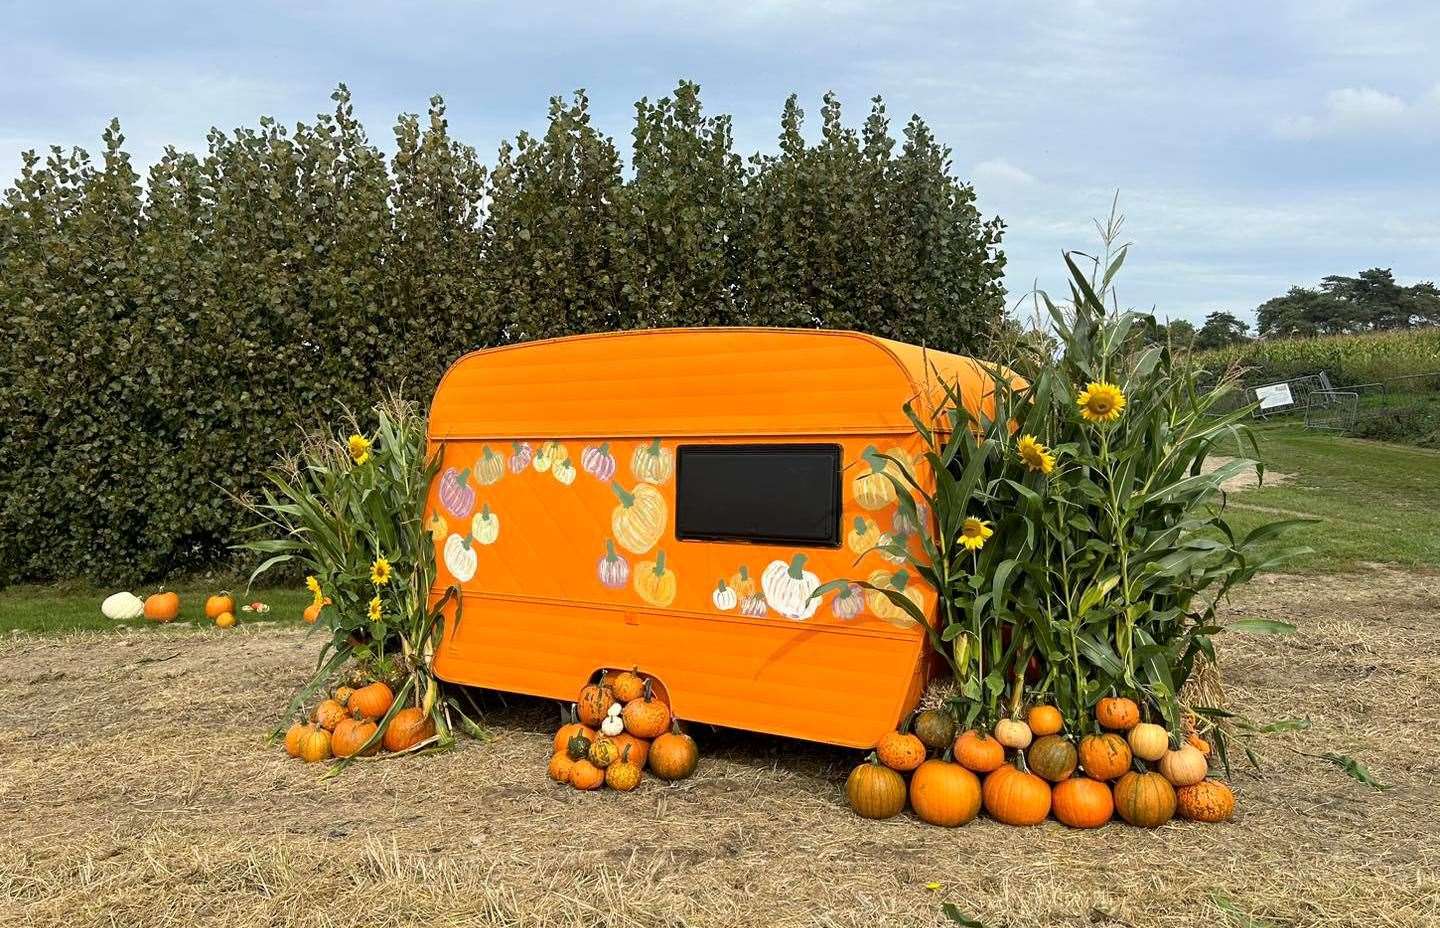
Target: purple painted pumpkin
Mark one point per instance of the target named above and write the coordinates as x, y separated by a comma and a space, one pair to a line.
754, 606
456, 494
849, 602
520, 459
598, 461
613, 569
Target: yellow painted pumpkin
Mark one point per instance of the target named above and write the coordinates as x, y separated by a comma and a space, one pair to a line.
550, 452
655, 583
489, 468
639, 520
742, 583
652, 463
872, 488
880, 604
437, 527
485, 527
864, 535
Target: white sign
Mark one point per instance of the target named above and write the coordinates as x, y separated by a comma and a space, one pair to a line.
1273, 395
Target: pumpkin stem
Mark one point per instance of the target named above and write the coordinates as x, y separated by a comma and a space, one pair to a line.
797, 566
660, 563
626, 499
860, 525
744, 573
720, 588
655, 447
605, 449
872, 456
649, 693
899, 580
485, 511
610, 549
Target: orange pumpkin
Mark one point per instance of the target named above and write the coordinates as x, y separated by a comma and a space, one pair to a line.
673, 755
1081, 802
1198, 743
293, 735
559, 767
623, 775
594, 704
1045, 720
311, 613
944, 793
1106, 756
329, 714
1016, 796
874, 790
628, 686
343, 694
900, 751
407, 728
350, 736
1148, 741
646, 717
638, 748
372, 701
162, 607
219, 603
1206, 801
225, 620
977, 751
1184, 767
585, 775
1146, 800
315, 745
1117, 713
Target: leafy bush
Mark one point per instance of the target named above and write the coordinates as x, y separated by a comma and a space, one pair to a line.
1348, 359
1415, 423
162, 338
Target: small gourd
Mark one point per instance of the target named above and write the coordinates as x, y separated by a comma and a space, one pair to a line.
578, 746
613, 724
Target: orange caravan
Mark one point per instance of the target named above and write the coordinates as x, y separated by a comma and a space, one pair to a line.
668, 500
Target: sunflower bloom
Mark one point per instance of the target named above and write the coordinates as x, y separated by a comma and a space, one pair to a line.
1101, 402
359, 448
1035, 455
380, 572
312, 583
375, 609
974, 532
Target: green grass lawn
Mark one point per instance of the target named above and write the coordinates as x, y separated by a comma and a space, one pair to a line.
1375, 502
53, 610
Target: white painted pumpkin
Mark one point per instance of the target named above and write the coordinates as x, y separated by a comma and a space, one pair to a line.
460, 557
612, 726
723, 597
122, 606
485, 527
900, 541
787, 588
563, 470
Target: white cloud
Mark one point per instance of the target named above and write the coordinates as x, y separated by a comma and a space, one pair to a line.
998, 171
1362, 109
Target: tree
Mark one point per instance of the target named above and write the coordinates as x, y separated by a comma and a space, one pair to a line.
1371, 301
1220, 329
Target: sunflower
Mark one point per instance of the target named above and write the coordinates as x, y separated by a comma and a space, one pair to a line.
1101, 402
1035, 455
312, 583
380, 572
359, 448
974, 532
375, 609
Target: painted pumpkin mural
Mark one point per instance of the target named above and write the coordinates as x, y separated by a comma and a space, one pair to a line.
881, 605
456, 494
743, 583
597, 461
521, 454
864, 534
754, 606
489, 467
437, 527
563, 470
549, 453
848, 602
654, 582
652, 463
460, 557
485, 527
614, 570
639, 520
788, 587
872, 488
723, 598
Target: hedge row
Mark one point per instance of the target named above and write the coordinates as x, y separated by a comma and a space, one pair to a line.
160, 338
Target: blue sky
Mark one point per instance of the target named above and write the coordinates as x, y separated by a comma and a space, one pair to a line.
1254, 145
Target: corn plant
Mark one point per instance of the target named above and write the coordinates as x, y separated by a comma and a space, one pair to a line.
347, 512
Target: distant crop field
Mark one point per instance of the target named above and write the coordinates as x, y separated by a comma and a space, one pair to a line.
1348, 359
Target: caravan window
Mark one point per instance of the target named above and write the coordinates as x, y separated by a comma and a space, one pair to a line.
766, 494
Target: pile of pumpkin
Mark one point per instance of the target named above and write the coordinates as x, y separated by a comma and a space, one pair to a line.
1084, 784
614, 731
346, 724
164, 607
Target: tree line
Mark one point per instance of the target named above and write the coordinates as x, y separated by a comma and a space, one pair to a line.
161, 336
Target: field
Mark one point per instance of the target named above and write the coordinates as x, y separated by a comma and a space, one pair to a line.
1348, 359
137, 789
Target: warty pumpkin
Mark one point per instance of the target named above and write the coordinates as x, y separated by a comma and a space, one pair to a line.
1185, 766
1117, 713
624, 774
874, 790
628, 685
578, 747
900, 750
1105, 756
1052, 757
342, 694
569, 728
1081, 802
329, 714
638, 749
936, 728
407, 728
979, 752
1016, 796
1149, 741
673, 755
1207, 801
594, 704
1044, 720
1146, 800
602, 753
944, 793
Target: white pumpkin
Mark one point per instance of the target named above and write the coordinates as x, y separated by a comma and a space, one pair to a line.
563, 471
723, 597
121, 606
615, 709
612, 726
485, 527
787, 588
460, 557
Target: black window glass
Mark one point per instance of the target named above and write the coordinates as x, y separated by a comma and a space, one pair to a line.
770, 494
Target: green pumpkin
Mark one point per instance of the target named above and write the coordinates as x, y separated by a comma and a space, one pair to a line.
1052, 757
935, 728
578, 746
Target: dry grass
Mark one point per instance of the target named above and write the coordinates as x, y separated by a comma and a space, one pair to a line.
135, 790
